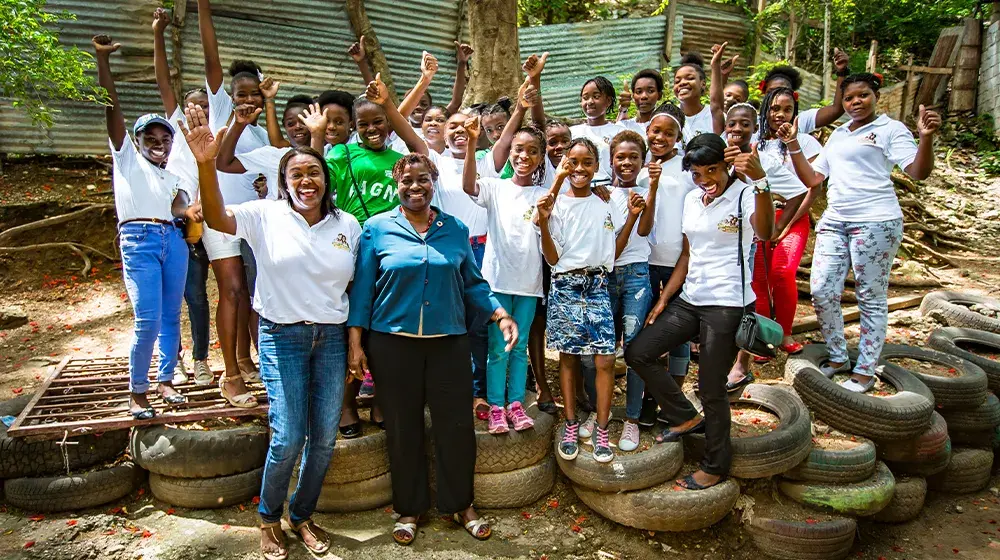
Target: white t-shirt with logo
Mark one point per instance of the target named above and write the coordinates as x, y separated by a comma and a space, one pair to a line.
713, 276
809, 145
783, 182
666, 241
601, 136
859, 165
636, 126
235, 187
583, 230
142, 190
637, 248
302, 271
698, 124
451, 198
512, 261
265, 161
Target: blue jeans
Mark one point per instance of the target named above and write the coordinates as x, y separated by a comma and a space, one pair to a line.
680, 357
303, 368
507, 372
154, 264
631, 297
479, 339
196, 298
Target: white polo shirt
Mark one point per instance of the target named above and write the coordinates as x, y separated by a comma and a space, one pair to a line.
782, 181
807, 121
713, 276
583, 230
235, 187
859, 165
512, 261
637, 248
601, 136
302, 271
666, 241
142, 190
451, 198
181, 161
265, 161
636, 126
810, 148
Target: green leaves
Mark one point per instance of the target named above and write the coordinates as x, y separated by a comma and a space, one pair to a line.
35, 68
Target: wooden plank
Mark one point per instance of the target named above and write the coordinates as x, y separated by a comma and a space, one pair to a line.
851, 314
53, 374
926, 69
906, 90
966, 78
941, 57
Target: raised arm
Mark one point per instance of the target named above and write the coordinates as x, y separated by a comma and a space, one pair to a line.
646, 219
462, 56
204, 147
624, 101
716, 93
829, 114
359, 53
226, 160
788, 133
527, 96
315, 120
748, 165
161, 19
103, 47
378, 94
928, 122
209, 46
533, 67
428, 67
269, 89
469, 183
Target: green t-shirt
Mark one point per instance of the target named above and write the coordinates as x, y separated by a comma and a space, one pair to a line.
372, 175
508, 170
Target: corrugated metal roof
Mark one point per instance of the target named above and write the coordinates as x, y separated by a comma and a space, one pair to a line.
710, 23
583, 50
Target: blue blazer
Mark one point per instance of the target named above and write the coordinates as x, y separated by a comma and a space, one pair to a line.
405, 283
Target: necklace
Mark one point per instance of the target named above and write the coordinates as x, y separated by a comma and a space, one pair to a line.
430, 219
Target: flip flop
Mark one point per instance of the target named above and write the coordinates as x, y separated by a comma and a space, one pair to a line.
689, 483
175, 398
474, 527
548, 407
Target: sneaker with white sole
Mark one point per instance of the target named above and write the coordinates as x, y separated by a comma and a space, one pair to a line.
568, 447
517, 417
629, 440
498, 420
587, 426
602, 445
203, 375
856, 387
180, 373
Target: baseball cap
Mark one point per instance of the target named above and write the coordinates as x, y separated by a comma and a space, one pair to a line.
151, 118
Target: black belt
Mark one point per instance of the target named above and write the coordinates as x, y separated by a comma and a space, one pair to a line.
153, 220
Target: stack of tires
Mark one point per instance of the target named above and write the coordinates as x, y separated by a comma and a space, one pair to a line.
515, 469
358, 478
201, 469
35, 472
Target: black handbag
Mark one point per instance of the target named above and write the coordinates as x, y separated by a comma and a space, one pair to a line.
757, 334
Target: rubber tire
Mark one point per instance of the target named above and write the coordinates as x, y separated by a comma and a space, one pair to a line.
901, 416
180, 453
927, 454
515, 489
628, 471
968, 389
664, 507
70, 493
23, 459
354, 496
860, 499
837, 466
798, 540
358, 459
514, 450
956, 315
945, 339
983, 439
968, 472
983, 418
206, 493
907, 501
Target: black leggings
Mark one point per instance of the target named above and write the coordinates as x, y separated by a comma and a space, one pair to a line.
716, 327
410, 373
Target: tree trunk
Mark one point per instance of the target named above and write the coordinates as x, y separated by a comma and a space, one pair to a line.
376, 57
496, 67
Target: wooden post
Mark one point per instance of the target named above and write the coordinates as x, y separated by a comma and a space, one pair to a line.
826, 50
906, 90
790, 40
872, 57
966, 77
363, 26
670, 32
758, 31
176, 44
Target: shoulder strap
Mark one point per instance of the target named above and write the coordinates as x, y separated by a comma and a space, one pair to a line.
354, 180
743, 277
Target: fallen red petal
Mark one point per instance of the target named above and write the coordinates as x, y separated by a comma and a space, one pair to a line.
29, 544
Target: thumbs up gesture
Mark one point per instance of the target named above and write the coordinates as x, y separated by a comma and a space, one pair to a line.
377, 93
625, 97
928, 122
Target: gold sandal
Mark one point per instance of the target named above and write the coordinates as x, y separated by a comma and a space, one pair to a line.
274, 535
245, 400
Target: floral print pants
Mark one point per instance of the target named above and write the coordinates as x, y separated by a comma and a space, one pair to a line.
868, 248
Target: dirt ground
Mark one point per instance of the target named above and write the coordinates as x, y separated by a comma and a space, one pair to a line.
73, 314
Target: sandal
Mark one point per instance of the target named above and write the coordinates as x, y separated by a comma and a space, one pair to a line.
689, 483
350, 431
548, 407
315, 539
144, 414
245, 400
248, 370
739, 385
408, 530
474, 527
272, 541
668, 435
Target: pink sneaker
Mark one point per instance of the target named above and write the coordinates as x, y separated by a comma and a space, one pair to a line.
498, 423
517, 417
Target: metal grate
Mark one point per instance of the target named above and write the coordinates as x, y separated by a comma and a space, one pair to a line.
87, 395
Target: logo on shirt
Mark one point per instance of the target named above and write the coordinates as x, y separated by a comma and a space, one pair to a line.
607, 223
527, 214
388, 173
341, 242
729, 225
868, 140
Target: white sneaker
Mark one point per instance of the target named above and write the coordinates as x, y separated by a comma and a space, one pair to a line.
629, 440
203, 375
587, 426
180, 373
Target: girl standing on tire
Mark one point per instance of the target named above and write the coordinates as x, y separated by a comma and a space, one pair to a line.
303, 342
862, 226
712, 302
154, 257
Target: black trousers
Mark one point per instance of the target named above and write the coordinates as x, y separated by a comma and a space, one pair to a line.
680, 322
410, 373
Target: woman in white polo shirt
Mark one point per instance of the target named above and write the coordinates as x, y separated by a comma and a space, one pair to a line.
863, 223
714, 297
305, 248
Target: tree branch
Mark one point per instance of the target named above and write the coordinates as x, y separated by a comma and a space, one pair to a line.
54, 220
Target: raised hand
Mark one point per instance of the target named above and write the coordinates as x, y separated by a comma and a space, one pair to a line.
625, 97
527, 95
636, 203
748, 165
544, 205
840, 60
928, 122
473, 128
732, 151
655, 170
103, 45
377, 93
428, 65
260, 185
161, 19
463, 52
564, 169
314, 118
203, 144
534, 65
717, 51
788, 132
269, 87
729, 65
357, 50
247, 114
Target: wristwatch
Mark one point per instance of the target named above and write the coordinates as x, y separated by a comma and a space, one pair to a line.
760, 186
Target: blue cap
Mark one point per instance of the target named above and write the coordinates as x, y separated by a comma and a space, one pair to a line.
152, 118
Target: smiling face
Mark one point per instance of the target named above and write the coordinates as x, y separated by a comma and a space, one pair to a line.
455, 135
688, 84
662, 136
712, 178
305, 181
434, 124
338, 124
372, 125
417, 116
295, 129
594, 103
780, 112
493, 126
859, 101
733, 94
415, 187
582, 165
557, 139
154, 143
525, 154
740, 126
247, 91
627, 161
645, 95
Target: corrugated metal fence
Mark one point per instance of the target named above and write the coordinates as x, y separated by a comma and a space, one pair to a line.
303, 44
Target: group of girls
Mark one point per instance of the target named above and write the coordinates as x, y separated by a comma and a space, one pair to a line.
588, 237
